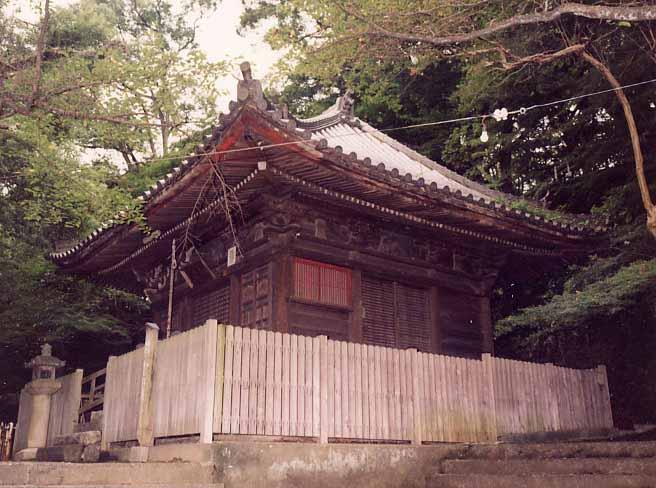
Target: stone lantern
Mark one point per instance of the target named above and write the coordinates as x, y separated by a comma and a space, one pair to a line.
43, 385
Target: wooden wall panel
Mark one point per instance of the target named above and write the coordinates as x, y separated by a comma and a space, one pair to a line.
312, 320
460, 321
413, 318
256, 298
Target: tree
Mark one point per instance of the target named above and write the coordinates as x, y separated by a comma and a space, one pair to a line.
120, 75
96, 74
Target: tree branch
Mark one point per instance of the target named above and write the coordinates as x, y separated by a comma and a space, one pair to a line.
635, 138
598, 12
40, 45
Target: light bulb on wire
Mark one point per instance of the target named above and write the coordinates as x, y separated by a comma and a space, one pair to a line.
484, 135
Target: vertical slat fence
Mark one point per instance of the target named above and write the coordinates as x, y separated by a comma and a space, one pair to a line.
181, 376
281, 385
22, 424
121, 402
64, 406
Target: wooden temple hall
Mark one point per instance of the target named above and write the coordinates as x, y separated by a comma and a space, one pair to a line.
321, 226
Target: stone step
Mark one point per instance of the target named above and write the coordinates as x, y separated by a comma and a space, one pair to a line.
540, 481
149, 485
48, 474
633, 466
85, 438
560, 450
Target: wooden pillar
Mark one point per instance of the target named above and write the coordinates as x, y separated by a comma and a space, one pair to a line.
487, 345
282, 288
436, 324
145, 419
104, 445
356, 332
235, 299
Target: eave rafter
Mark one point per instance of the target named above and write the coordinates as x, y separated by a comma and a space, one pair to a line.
251, 133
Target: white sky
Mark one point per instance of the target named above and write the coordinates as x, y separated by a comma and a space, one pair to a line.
217, 37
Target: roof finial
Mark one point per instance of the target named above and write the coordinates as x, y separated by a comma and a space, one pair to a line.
248, 88
346, 103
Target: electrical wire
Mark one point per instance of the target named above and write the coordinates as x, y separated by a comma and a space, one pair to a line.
519, 111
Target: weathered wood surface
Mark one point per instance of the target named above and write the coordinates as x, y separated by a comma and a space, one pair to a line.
64, 406
7, 430
22, 425
93, 390
184, 367
121, 405
266, 383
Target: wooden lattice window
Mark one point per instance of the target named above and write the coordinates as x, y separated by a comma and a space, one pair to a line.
256, 298
323, 283
214, 304
395, 315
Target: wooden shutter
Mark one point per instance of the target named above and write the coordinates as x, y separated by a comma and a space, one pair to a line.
256, 298
378, 324
395, 315
212, 305
322, 283
412, 316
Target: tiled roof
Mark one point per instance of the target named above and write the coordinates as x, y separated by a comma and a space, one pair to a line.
366, 142
336, 128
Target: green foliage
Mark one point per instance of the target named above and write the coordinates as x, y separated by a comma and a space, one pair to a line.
605, 297
118, 77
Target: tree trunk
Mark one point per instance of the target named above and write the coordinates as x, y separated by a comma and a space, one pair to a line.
635, 139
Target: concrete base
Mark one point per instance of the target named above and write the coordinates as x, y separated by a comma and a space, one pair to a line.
114, 475
245, 464
138, 454
273, 465
328, 465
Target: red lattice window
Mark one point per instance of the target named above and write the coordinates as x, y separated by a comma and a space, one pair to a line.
322, 283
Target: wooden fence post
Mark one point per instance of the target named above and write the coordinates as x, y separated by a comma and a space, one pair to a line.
488, 367
416, 400
207, 427
145, 419
602, 381
220, 377
323, 362
104, 445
